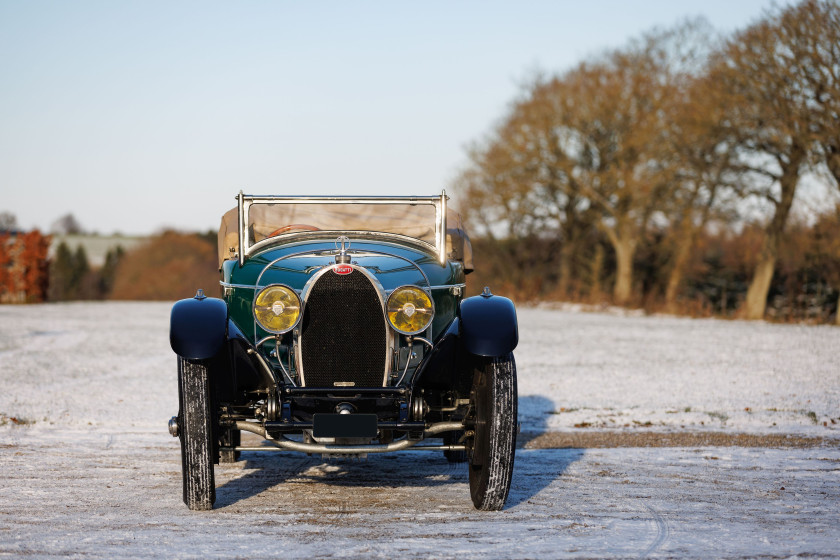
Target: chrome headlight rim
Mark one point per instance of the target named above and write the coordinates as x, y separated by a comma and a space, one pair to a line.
267, 328
410, 287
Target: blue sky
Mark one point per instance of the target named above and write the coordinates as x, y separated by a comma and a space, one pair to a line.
140, 115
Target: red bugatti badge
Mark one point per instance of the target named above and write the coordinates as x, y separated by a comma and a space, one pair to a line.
342, 269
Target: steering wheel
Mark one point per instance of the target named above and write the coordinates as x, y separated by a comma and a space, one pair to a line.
293, 227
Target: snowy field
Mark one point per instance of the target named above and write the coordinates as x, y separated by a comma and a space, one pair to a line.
87, 468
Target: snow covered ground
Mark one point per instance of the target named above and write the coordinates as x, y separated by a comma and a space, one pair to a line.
605, 371
87, 468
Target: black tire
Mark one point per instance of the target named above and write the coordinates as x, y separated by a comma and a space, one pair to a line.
453, 438
195, 421
494, 402
231, 437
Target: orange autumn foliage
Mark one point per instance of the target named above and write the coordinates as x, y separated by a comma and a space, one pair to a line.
169, 267
23, 266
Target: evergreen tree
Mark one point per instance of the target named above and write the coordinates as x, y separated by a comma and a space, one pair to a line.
61, 274
109, 270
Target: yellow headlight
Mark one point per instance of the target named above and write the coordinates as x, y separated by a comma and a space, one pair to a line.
410, 310
277, 309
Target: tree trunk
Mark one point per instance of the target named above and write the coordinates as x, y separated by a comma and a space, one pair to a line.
756, 301
676, 276
834, 167
685, 243
687, 231
837, 312
624, 251
595, 270
833, 161
565, 269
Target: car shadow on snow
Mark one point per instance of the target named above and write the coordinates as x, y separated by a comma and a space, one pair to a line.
535, 469
534, 411
260, 472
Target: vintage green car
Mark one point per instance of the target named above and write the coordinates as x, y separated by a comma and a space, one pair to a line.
343, 330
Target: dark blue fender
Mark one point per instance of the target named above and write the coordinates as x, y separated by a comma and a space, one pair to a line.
488, 325
198, 326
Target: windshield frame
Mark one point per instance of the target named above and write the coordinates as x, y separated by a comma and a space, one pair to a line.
246, 201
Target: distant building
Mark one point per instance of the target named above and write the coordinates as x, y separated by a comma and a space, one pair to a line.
24, 268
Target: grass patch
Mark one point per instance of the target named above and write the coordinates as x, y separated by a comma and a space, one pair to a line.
5, 420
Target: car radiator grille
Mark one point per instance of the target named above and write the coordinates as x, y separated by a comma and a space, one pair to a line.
343, 336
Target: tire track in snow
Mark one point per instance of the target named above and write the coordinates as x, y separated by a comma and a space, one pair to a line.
663, 532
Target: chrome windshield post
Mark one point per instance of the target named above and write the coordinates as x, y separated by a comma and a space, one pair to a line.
240, 198
440, 228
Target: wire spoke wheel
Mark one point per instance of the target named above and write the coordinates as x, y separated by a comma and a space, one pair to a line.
196, 433
494, 402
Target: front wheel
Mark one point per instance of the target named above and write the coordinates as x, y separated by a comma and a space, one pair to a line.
196, 432
494, 404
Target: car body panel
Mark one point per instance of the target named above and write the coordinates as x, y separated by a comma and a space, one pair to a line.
488, 325
197, 327
294, 264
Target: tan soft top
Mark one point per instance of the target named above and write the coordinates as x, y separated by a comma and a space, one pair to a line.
412, 221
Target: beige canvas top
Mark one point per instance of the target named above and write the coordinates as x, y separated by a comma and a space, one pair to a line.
417, 221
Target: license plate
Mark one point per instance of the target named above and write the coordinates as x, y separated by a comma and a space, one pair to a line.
344, 425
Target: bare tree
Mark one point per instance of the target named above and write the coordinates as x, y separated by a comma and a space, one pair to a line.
811, 33
773, 76
660, 137
706, 174
584, 148
613, 127
67, 224
8, 221
521, 181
